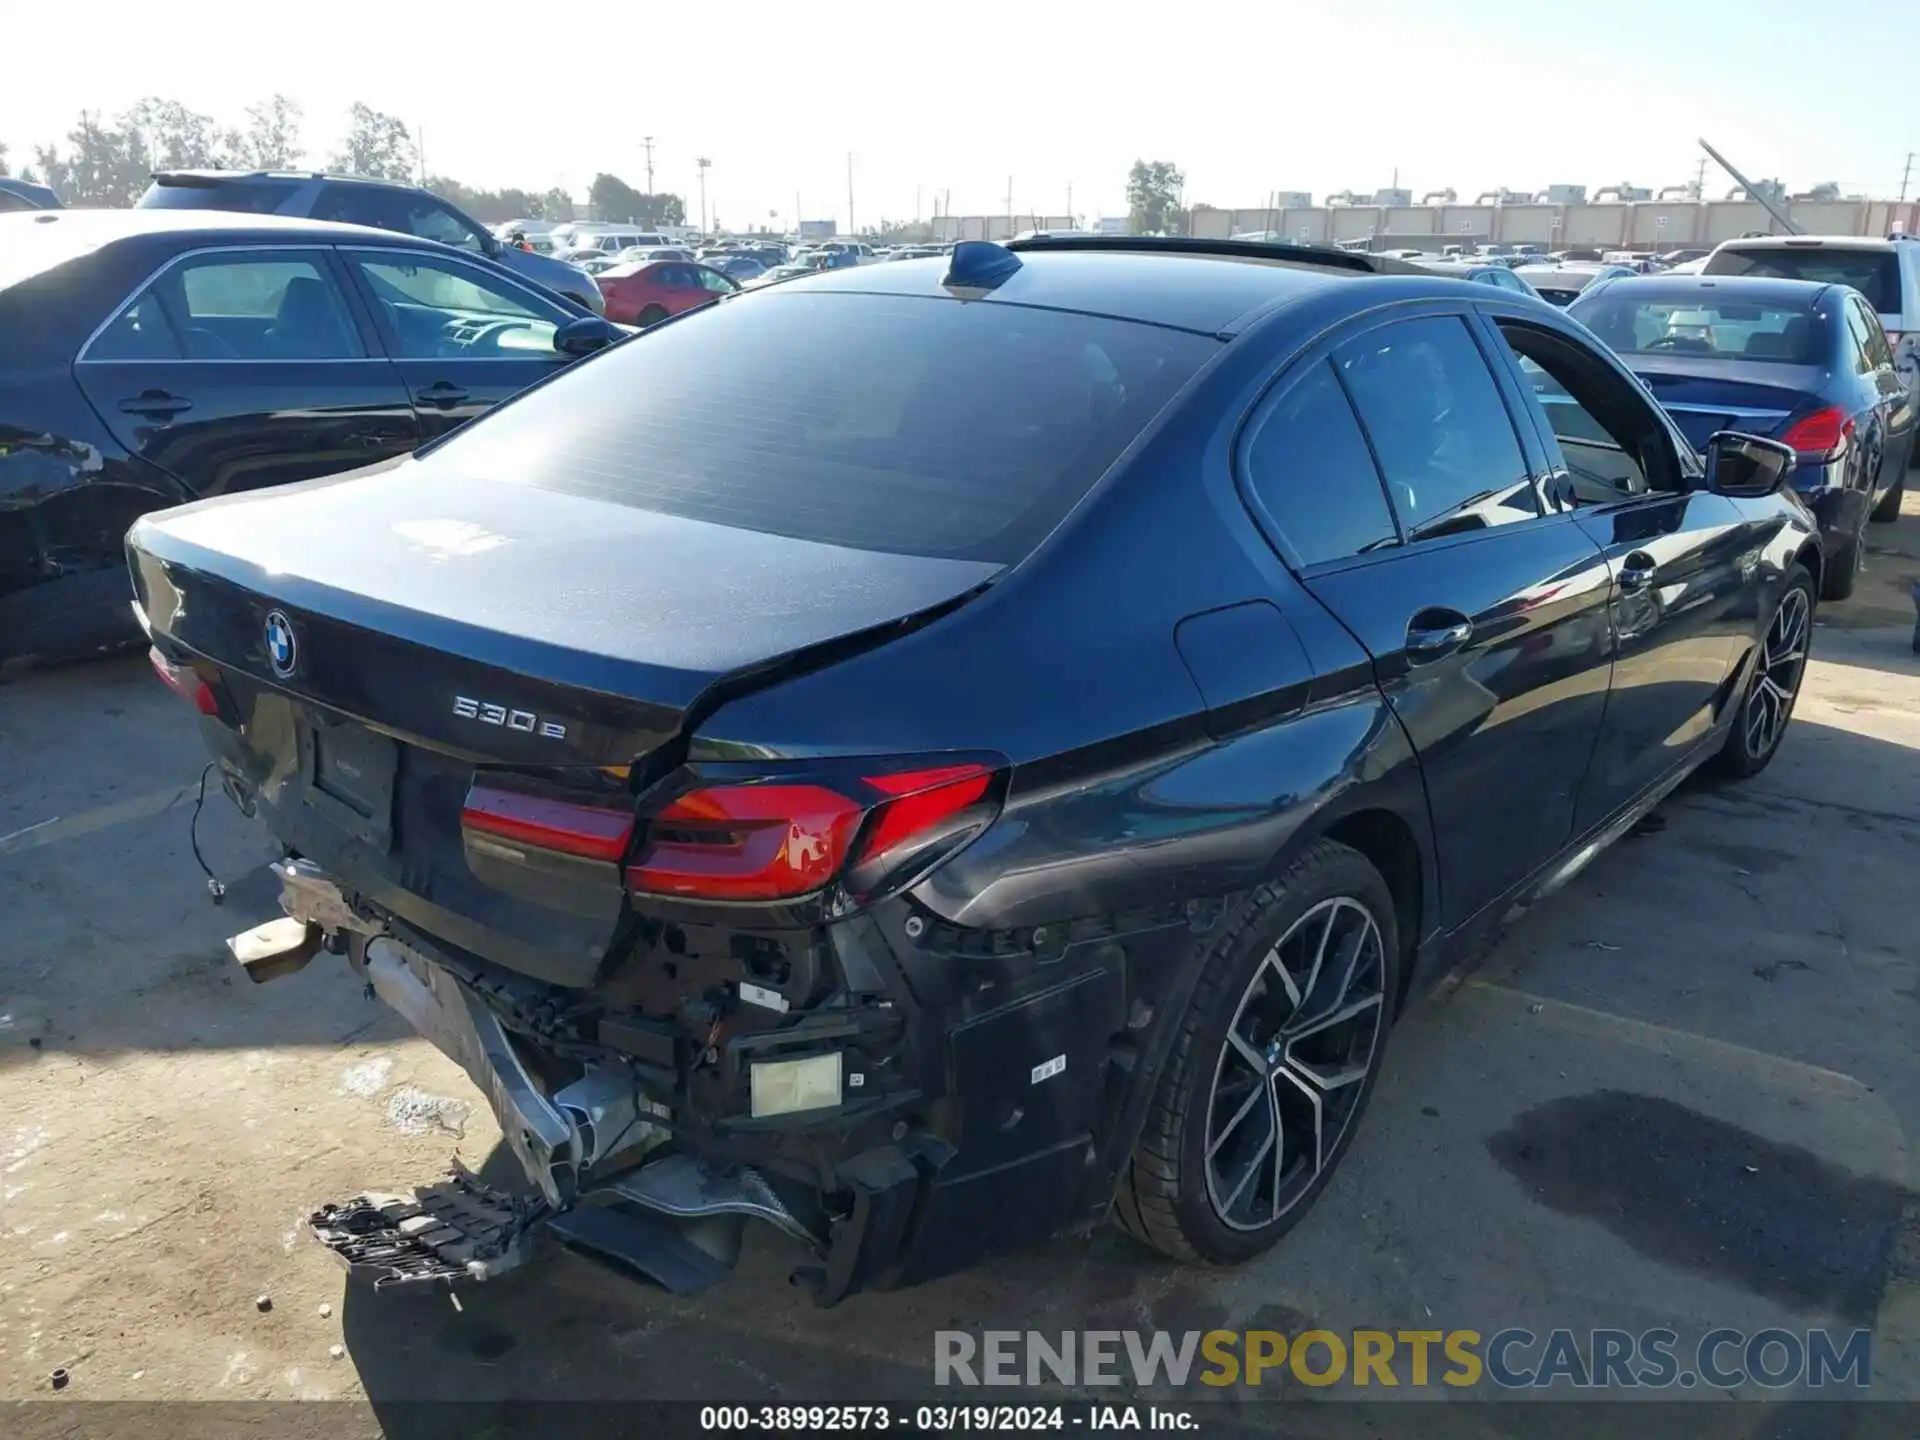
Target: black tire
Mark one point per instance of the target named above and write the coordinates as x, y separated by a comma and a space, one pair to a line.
1888, 510
1168, 1196
652, 315
1741, 756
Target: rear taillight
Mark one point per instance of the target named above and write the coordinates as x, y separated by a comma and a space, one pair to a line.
1819, 433
780, 839
591, 832
185, 682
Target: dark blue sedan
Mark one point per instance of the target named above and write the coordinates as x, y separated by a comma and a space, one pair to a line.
1805, 363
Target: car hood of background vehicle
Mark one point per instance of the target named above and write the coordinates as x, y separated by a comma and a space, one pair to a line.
582, 592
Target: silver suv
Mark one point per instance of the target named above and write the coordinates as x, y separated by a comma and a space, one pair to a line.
379, 203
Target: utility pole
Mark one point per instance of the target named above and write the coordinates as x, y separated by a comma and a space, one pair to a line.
1071, 225
1009, 207
1700, 182
703, 162
647, 140
1907, 175
796, 214
420, 154
850, 222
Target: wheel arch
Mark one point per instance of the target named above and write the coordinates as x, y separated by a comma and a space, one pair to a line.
1388, 842
1815, 559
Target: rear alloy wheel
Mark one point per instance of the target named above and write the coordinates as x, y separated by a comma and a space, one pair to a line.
1273, 1066
652, 315
1779, 667
1888, 510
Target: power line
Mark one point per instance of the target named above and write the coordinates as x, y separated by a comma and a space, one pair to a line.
1905, 176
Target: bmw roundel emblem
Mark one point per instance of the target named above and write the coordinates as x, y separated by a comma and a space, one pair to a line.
280, 645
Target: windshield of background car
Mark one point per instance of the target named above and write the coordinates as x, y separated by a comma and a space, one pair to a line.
1874, 273
1701, 323
933, 427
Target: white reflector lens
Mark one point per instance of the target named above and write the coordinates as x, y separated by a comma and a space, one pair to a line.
780, 1087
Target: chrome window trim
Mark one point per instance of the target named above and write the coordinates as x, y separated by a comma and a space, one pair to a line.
447, 255
147, 284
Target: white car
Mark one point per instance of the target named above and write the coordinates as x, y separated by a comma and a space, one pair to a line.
1887, 272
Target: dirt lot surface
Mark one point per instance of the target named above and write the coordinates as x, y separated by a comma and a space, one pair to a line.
1682, 1092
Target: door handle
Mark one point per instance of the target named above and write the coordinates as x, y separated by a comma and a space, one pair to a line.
1433, 634
156, 403
442, 395
1636, 572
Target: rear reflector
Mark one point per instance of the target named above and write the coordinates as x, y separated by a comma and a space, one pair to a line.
185, 682
1822, 431
592, 832
777, 841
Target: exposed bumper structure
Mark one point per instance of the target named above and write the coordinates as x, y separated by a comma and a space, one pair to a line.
962, 1128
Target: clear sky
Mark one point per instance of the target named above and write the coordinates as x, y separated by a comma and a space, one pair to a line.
959, 96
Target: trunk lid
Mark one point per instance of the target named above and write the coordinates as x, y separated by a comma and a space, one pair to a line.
409, 587
384, 636
1703, 395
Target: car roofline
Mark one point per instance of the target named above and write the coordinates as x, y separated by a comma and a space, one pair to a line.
1323, 256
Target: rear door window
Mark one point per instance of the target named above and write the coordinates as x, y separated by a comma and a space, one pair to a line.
277, 305
1874, 273
1873, 333
1307, 467
903, 424
1445, 443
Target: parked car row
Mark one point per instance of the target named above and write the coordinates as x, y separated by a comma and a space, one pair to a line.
1809, 340
159, 356
925, 754
349, 200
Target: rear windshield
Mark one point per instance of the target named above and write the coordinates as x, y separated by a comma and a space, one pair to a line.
1634, 323
1874, 273
248, 196
920, 426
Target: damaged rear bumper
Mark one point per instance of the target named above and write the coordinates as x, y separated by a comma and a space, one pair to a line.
994, 1122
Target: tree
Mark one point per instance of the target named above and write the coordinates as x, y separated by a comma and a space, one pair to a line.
378, 146
613, 199
271, 140
1153, 195
3, 158
105, 165
556, 204
181, 139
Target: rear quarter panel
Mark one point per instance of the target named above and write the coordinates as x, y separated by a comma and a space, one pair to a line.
1126, 790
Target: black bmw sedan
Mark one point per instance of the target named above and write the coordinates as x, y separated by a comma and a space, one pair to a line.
1012, 774
154, 357
1804, 362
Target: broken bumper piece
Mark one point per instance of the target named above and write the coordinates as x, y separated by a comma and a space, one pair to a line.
458, 1229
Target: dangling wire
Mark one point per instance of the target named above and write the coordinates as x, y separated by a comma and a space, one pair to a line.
214, 888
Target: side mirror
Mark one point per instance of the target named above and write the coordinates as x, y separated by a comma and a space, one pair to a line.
1746, 467
585, 335
491, 244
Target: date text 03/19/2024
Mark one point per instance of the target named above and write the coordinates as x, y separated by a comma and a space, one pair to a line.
985, 1419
